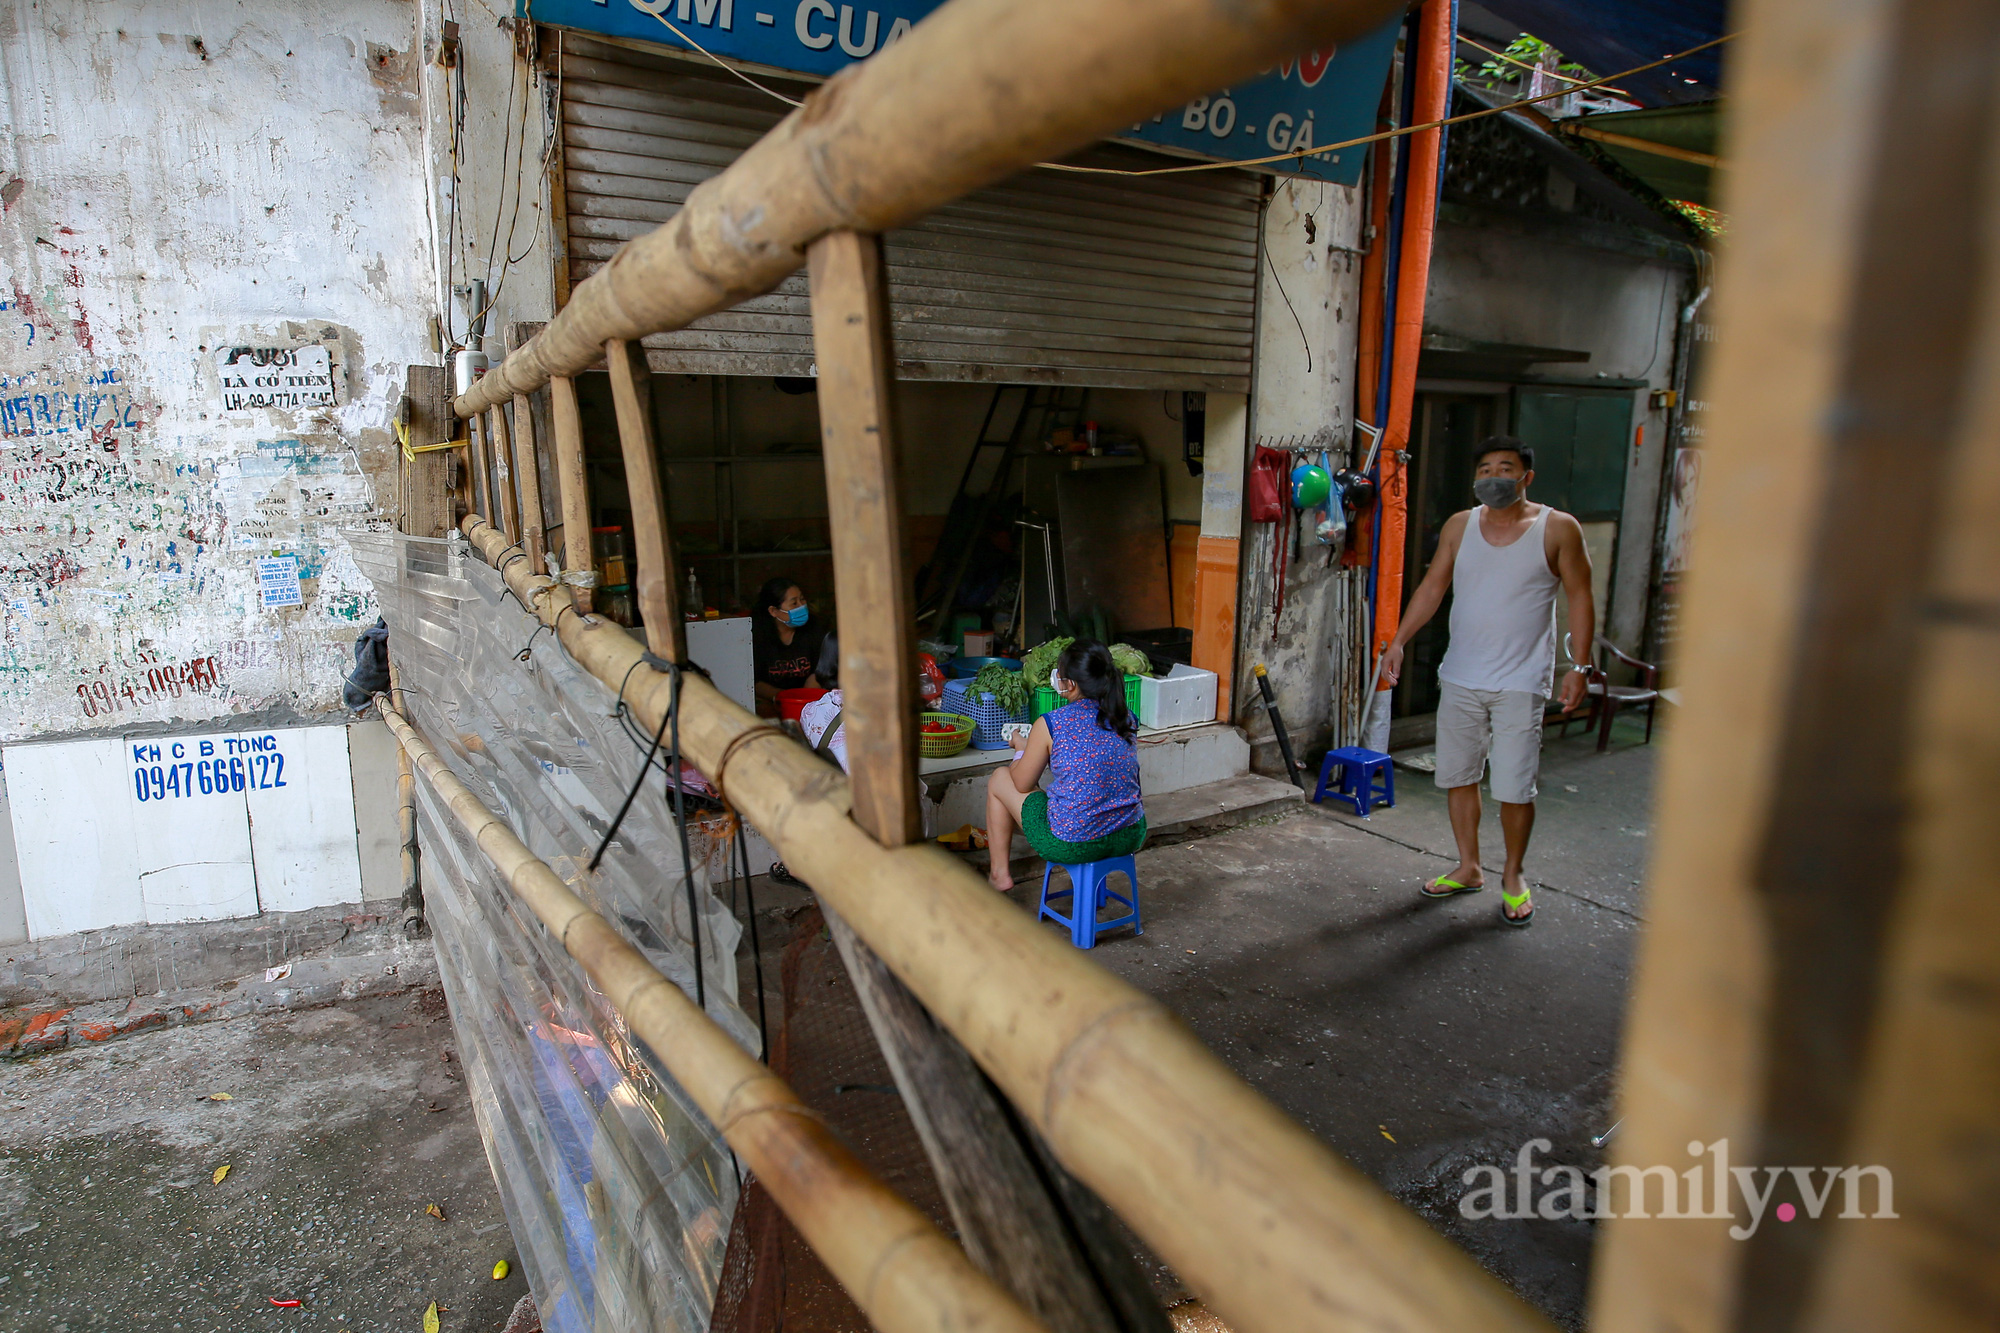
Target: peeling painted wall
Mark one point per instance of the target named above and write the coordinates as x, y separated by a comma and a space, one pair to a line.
198, 197
1306, 348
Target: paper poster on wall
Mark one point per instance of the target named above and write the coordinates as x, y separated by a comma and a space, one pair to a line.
288, 378
278, 581
1683, 488
1322, 97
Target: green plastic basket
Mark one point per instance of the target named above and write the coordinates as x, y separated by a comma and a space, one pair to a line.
1047, 700
943, 745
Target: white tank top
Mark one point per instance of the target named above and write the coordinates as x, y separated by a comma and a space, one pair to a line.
1503, 612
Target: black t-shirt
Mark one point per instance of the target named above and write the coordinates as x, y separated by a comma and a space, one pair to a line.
786, 666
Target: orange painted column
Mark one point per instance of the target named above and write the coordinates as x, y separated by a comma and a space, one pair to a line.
1431, 68
1216, 561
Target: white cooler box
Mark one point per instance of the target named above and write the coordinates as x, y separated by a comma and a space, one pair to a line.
1184, 695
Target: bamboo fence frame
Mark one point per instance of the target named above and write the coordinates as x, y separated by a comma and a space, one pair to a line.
1269, 1225
899, 1268
1273, 1229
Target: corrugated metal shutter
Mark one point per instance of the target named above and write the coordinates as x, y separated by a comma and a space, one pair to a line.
1049, 277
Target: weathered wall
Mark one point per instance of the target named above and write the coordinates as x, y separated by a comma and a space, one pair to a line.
181, 181
486, 127
1304, 387
1617, 298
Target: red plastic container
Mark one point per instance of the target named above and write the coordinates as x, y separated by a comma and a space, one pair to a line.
793, 702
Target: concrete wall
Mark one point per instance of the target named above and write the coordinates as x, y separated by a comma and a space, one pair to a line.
1616, 298
177, 183
1304, 387
181, 182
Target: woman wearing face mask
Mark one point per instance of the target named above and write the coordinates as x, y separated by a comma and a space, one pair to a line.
1091, 809
784, 639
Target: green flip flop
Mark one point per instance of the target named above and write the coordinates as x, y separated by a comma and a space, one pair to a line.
1447, 888
1515, 900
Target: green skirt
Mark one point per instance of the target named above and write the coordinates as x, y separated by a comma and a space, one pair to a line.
1035, 825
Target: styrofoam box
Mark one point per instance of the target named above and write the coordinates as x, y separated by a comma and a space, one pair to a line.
1182, 696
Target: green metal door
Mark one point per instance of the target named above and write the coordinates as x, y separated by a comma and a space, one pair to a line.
1579, 437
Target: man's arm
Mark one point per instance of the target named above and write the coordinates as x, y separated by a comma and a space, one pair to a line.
1573, 567
1427, 598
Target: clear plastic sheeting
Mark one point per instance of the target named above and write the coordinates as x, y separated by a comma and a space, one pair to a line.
619, 1192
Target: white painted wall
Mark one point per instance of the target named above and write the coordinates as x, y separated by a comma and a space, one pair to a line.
488, 199
1303, 386
196, 826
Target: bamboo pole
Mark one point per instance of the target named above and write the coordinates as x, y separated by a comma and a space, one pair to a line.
901, 1271
1014, 1212
878, 651
528, 480
1816, 983
482, 491
656, 581
1263, 1220
503, 473
974, 93
573, 485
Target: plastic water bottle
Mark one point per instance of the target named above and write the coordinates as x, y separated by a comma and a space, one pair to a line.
693, 608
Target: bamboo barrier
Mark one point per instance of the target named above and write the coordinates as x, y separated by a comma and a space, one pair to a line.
977, 91
899, 1268
1263, 1220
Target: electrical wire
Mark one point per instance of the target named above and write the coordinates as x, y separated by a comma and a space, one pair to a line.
1480, 114
726, 65
1288, 305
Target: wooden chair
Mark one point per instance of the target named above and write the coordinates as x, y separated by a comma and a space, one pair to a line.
1606, 699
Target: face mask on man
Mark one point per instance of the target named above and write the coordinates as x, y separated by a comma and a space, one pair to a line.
798, 616
1497, 492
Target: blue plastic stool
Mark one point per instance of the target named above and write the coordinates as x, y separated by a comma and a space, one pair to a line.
1087, 891
1367, 778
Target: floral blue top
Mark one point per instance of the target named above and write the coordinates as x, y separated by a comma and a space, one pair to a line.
1093, 776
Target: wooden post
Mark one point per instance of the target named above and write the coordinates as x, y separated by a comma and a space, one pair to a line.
573, 484
1817, 982
426, 478
528, 480
878, 651
476, 451
503, 474
1016, 1225
657, 581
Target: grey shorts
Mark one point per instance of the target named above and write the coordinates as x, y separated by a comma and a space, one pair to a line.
1504, 726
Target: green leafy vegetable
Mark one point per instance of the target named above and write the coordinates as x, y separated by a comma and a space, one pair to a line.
1040, 661
1008, 688
1130, 660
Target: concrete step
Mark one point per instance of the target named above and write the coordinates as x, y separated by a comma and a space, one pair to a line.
1196, 812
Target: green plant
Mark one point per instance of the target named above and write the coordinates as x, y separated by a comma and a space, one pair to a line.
1008, 688
1040, 661
1130, 660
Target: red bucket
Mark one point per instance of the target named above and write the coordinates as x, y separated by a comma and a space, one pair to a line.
793, 702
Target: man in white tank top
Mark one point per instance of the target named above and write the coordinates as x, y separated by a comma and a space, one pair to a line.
1503, 562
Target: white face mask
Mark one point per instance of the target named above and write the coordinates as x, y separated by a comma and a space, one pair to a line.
1055, 680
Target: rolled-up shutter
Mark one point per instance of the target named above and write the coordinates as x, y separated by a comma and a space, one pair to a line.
1049, 277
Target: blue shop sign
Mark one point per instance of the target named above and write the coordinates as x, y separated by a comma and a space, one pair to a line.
1325, 97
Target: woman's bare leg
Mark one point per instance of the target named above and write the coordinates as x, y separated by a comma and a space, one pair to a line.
1003, 816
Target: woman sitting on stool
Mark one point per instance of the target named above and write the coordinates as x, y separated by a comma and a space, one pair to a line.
1091, 810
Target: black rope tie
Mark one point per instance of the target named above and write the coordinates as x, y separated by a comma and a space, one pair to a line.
742, 859
669, 730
